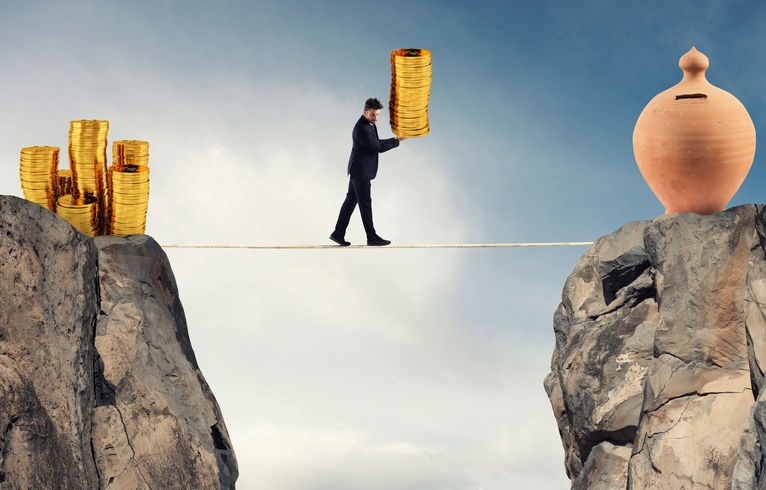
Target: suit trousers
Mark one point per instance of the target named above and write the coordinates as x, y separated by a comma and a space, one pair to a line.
358, 193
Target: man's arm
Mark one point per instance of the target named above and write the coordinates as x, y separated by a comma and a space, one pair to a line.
365, 137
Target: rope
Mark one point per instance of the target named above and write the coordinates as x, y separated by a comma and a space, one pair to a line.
324, 247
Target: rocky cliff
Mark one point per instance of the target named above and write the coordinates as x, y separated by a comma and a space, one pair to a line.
657, 373
99, 385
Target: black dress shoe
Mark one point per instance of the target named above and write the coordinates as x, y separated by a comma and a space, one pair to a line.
339, 240
376, 241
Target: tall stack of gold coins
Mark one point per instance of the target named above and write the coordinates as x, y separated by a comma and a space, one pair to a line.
81, 212
37, 169
410, 92
128, 188
87, 159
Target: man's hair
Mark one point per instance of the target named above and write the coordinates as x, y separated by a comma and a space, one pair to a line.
372, 104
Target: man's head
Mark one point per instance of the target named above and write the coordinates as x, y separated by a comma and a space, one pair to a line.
372, 109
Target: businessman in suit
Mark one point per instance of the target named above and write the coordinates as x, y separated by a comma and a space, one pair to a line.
362, 168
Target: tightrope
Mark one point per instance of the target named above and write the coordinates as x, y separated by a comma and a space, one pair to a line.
338, 247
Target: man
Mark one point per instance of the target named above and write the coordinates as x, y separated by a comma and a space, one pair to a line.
362, 168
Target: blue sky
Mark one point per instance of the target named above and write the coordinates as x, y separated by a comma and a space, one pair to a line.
410, 369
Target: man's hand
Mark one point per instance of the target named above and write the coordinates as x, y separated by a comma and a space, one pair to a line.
401, 138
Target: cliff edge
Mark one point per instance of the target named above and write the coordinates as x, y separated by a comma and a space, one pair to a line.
99, 385
657, 374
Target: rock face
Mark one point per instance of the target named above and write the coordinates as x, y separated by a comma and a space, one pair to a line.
99, 386
660, 352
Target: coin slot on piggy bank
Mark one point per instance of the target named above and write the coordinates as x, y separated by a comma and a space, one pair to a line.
691, 96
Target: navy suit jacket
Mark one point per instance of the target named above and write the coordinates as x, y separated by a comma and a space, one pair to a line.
363, 162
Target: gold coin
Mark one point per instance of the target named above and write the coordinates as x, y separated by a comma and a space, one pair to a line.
71, 200
413, 86
412, 76
410, 132
122, 230
131, 146
408, 118
404, 127
410, 92
410, 69
132, 189
122, 156
124, 183
122, 190
127, 189
411, 89
129, 177
122, 213
414, 61
137, 219
45, 171
411, 53
89, 123
409, 95
133, 169
130, 195
414, 108
418, 67
39, 150
408, 110
123, 206
409, 121
39, 184
88, 139
39, 158
409, 99
46, 188
397, 74
128, 228
132, 227
86, 148
128, 207
128, 160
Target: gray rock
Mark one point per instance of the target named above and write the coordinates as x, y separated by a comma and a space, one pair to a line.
678, 304
48, 308
99, 386
157, 424
605, 469
603, 351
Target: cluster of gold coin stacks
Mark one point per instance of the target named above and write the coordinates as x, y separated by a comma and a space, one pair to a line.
87, 160
37, 170
94, 199
410, 92
129, 187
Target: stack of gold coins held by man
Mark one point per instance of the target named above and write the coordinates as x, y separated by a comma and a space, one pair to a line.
129, 187
81, 212
87, 160
37, 169
410, 92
